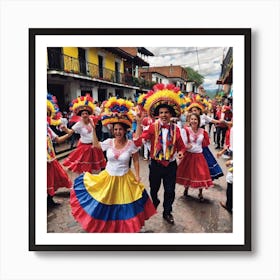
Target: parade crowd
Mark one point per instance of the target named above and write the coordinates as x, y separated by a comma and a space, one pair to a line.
166, 126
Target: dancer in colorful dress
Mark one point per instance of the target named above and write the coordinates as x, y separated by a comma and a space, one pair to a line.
193, 171
114, 200
163, 102
84, 157
56, 175
197, 105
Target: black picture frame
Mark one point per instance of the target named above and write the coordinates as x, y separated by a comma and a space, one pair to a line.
37, 33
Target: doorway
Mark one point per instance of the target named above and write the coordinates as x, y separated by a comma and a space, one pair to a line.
100, 66
82, 60
102, 94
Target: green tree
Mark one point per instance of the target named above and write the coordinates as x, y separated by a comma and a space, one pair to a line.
194, 76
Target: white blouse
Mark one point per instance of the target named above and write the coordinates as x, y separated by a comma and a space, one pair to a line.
85, 130
118, 159
196, 139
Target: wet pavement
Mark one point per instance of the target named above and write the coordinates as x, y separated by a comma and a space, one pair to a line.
190, 215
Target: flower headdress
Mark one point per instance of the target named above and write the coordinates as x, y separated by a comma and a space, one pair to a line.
53, 113
117, 111
163, 94
196, 101
82, 103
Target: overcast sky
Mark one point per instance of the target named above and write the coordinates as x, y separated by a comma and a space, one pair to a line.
206, 61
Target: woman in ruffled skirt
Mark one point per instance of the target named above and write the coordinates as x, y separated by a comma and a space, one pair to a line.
114, 200
214, 168
85, 158
56, 175
193, 171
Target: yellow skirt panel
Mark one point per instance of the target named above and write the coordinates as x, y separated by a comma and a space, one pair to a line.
111, 190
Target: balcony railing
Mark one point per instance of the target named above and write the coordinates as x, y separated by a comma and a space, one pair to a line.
68, 64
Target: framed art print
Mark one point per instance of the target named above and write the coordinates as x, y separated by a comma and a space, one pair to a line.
75, 64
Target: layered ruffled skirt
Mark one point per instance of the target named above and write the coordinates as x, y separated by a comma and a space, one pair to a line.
56, 177
85, 158
105, 203
193, 171
214, 168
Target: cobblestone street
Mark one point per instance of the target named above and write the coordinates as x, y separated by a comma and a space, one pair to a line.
191, 215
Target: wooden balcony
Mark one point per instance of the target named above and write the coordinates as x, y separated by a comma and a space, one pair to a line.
68, 64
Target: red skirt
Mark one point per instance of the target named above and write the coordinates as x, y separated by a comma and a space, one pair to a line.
193, 171
56, 177
85, 158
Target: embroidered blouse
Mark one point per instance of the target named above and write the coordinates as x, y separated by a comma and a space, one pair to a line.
85, 130
198, 140
118, 159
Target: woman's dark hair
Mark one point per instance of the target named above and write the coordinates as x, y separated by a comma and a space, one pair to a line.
200, 111
198, 118
80, 112
170, 109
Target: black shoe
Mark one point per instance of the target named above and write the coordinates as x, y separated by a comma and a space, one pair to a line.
217, 147
224, 206
169, 218
200, 197
51, 202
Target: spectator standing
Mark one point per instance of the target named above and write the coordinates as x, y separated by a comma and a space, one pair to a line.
229, 163
224, 114
229, 178
146, 122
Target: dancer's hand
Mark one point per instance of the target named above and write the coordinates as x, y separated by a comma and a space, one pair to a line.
66, 130
139, 117
188, 146
63, 128
138, 179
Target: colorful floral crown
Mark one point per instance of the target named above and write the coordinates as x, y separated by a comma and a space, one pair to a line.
163, 94
196, 101
82, 103
117, 111
54, 116
141, 101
